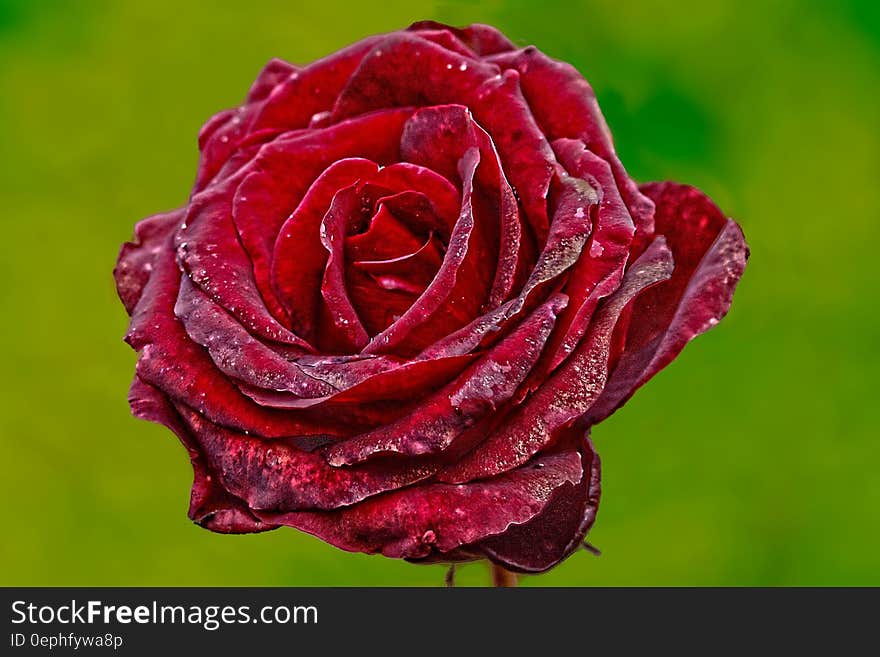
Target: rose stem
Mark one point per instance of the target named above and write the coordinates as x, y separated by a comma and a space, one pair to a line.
502, 576
450, 576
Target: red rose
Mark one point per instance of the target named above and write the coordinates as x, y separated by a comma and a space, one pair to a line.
409, 279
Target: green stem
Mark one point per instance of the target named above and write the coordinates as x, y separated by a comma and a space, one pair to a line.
502, 576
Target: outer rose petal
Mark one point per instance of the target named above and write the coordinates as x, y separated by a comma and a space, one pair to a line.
483, 40
710, 257
136, 258
558, 531
210, 505
210, 250
414, 522
276, 476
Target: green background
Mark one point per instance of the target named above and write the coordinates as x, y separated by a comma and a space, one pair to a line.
752, 460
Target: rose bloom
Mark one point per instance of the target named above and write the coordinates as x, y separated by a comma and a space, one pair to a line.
409, 279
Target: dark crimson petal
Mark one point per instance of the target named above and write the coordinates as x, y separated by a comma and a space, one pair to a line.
311, 90
277, 103
570, 391
441, 418
394, 260
274, 73
438, 137
483, 40
344, 372
136, 258
544, 541
260, 206
414, 522
340, 326
454, 295
171, 361
411, 272
219, 139
299, 259
513, 250
298, 157
236, 352
240, 161
209, 249
275, 476
404, 177
710, 256
225, 133
402, 383
501, 109
347, 151
600, 268
446, 39
210, 505
386, 237
212, 125
405, 70
469, 337
564, 105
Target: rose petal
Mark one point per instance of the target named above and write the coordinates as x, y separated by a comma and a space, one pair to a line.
275, 72
600, 268
236, 352
405, 382
340, 327
136, 258
209, 249
299, 258
275, 476
482, 40
414, 522
311, 90
500, 108
224, 133
564, 246
210, 505
260, 206
406, 70
710, 256
386, 237
558, 531
436, 137
405, 177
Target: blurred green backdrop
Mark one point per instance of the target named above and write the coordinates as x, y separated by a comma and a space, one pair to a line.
752, 460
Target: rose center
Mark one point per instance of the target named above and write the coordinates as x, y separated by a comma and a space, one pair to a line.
393, 246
